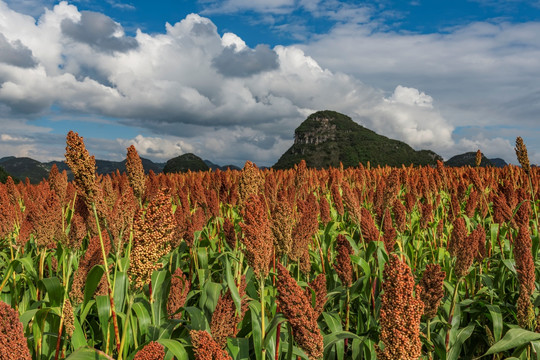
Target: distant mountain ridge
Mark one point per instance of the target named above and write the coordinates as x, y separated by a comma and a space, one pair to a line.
184, 163
469, 159
328, 138
214, 167
324, 139
25, 167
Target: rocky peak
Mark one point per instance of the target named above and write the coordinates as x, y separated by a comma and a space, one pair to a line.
321, 130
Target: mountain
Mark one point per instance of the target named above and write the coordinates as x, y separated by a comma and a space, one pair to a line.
4, 176
107, 167
327, 138
25, 167
215, 167
35, 171
498, 162
469, 159
185, 162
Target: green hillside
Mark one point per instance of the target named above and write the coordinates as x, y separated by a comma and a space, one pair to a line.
185, 162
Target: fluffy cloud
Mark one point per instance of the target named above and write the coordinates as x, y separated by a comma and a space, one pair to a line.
483, 73
98, 31
157, 147
15, 53
245, 62
30, 7
191, 90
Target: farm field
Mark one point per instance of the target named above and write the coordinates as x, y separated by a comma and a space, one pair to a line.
355, 263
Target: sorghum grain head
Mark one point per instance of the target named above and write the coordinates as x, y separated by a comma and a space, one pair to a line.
135, 172
82, 165
432, 289
205, 348
521, 153
13, 344
400, 313
226, 316
298, 310
151, 351
257, 238
343, 265
178, 292
478, 159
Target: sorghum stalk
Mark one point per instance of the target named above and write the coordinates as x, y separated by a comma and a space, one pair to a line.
278, 334
320, 253
60, 328
428, 333
347, 317
258, 244
83, 167
263, 325
239, 270
66, 284
107, 276
451, 313
6, 278
42, 255
126, 323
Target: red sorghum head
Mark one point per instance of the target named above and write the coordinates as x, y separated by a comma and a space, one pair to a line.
297, 308
226, 316
82, 165
135, 172
401, 310
521, 153
318, 285
432, 289
205, 348
151, 351
368, 227
342, 264
152, 237
178, 292
282, 227
257, 237
13, 344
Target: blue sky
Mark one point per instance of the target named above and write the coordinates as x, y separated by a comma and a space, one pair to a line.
231, 80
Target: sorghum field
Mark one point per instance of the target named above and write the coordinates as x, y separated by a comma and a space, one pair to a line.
357, 263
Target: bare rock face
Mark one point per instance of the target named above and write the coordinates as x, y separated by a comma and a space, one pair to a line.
325, 131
